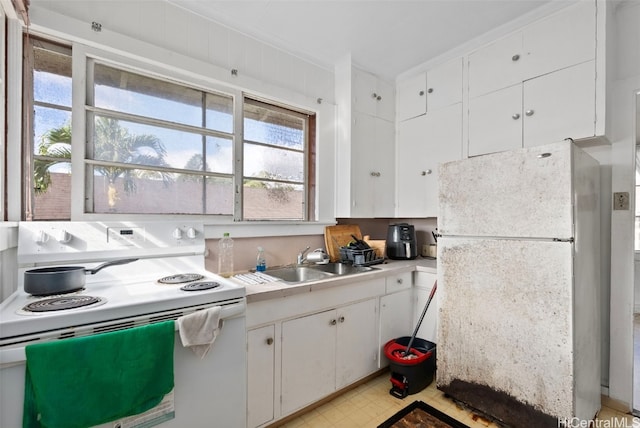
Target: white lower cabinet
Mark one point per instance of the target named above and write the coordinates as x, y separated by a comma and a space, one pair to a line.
324, 352
396, 316
308, 359
423, 282
357, 342
297, 358
261, 375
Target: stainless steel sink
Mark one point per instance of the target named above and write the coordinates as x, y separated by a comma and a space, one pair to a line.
306, 273
342, 268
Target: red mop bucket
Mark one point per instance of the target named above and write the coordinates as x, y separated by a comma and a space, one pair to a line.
412, 360
413, 372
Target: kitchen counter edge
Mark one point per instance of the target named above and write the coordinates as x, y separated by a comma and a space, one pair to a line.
279, 289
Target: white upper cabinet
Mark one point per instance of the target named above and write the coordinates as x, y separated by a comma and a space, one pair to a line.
444, 85
428, 91
496, 66
412, 97
495, 121
561, 40
560, 105
539, 84
372, 95
365, 155
425, 142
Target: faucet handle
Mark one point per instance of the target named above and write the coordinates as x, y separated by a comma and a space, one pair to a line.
301, 254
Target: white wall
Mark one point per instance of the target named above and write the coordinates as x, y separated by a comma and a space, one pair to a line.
623, 114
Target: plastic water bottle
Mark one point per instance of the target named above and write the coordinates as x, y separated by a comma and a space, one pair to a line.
261, 261
225, 256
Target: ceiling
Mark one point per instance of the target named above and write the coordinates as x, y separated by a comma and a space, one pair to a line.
385, 37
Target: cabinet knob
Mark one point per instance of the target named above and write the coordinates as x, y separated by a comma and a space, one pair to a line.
427, 172
375, 174
529, 112
341, 319
515, 116
421, 93
376, 96
515, 57
333, 322
430, 90
399, 280
270, 341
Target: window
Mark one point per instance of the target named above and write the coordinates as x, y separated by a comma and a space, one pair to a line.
274, 162
158, 146
48, 125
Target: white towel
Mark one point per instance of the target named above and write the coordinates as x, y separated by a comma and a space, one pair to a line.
198, 330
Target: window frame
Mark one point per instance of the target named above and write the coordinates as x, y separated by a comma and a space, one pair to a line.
82, 54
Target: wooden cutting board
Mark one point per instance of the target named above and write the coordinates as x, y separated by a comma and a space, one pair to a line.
339, 236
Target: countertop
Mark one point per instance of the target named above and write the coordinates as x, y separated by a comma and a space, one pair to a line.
279, 289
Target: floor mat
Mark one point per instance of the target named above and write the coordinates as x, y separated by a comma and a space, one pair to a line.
422, 415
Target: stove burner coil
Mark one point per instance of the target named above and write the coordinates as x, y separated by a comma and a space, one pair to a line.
62, 303
180, 278
202, 285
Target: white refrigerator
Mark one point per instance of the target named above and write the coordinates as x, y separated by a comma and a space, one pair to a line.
519, 284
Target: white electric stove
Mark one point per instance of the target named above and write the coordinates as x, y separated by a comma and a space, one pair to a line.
167, 280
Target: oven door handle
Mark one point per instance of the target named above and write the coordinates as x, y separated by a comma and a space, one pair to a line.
11, 356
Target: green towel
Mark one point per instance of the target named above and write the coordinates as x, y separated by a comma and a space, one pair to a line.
91, 380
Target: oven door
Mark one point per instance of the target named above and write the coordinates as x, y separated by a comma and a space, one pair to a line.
207, 390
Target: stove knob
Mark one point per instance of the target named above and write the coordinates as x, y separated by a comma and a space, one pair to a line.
191, 233
63, 236
41, 237
177, 233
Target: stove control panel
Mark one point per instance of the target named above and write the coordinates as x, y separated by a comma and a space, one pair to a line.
56, 242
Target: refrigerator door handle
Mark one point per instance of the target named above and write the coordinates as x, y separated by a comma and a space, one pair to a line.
563, 239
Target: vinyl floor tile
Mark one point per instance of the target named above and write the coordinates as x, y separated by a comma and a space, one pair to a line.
370, 404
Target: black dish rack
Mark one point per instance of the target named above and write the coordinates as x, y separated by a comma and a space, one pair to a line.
357, 257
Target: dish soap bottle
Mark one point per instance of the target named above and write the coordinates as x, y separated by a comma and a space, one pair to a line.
261, 261
225, 256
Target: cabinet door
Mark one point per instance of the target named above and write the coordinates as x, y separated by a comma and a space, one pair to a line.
357, 342
564, 39
423, 143
560, 105
496, 66
364, 95
429, 328
412, 97
495, 121
260, 375
363, 164
308, 360
386, 100
372, 167
444, 85
384, 178
396, 316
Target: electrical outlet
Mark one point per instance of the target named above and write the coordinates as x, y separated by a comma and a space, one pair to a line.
621, 201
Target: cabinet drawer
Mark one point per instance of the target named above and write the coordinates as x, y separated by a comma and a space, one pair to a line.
398, 282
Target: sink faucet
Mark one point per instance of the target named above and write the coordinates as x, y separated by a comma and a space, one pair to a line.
301, 254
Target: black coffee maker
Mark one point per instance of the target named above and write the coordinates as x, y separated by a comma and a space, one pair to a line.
401, 242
